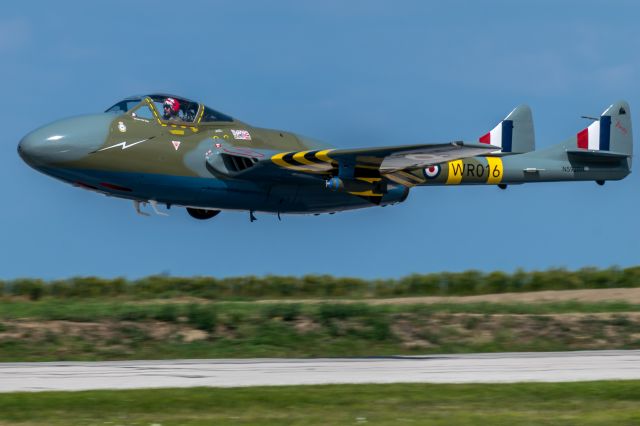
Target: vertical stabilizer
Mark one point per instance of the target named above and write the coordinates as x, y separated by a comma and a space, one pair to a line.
611, 132
609, 136
514, 134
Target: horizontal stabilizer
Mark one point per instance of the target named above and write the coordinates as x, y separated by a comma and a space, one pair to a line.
597, 156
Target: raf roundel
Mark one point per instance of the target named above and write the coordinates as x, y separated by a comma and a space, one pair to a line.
432, 172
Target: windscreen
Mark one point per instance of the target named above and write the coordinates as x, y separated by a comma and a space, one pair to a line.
124, 106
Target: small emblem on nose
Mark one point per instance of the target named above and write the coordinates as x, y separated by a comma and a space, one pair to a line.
122, 127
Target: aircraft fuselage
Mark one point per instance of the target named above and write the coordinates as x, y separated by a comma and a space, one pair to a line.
205, 160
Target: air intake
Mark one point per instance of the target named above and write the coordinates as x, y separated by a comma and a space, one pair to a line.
237, 163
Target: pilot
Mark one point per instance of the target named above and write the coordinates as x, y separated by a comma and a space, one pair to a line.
171, 107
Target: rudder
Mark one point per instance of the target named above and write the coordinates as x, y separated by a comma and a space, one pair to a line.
618, 118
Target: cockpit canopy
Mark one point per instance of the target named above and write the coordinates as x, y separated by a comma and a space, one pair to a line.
189, 111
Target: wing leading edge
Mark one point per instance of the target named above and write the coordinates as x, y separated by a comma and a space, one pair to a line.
366, 172
384, 160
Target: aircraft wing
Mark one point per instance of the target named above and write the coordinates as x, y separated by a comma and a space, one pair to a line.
392, 159
383, 160
363, 171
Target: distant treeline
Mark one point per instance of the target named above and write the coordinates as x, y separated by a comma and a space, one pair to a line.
320, 286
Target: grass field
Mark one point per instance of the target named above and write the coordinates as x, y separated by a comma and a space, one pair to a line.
586, 403
108, 329
114, 309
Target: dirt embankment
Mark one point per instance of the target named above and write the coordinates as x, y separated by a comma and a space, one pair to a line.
338, 330
629, 295
395, 333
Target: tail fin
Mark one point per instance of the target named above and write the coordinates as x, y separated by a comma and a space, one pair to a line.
514, 134
612, 132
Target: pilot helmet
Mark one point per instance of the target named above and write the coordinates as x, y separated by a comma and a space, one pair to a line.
173, 104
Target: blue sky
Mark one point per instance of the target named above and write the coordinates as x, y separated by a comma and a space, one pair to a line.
357, 73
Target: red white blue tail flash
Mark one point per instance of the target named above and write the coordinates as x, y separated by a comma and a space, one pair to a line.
501, 135
597, 135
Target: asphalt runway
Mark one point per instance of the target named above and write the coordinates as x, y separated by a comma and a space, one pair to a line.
471, 368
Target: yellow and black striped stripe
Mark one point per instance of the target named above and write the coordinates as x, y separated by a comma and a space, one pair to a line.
319, 161
316, 161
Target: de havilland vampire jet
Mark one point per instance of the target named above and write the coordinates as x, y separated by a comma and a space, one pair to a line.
165, 149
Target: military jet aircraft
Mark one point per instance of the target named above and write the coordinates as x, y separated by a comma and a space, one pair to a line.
165, 149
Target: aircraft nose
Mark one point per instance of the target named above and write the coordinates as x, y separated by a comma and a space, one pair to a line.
65, 140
